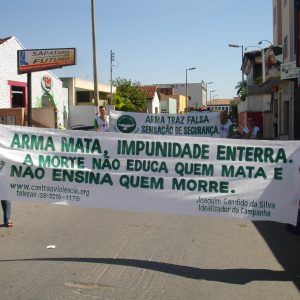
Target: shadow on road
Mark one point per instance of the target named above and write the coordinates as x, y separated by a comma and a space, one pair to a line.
284, 245
233, 276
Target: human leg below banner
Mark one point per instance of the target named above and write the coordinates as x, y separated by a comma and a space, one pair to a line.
6, 206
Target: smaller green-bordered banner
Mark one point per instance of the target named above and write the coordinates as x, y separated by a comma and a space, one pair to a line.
192, 124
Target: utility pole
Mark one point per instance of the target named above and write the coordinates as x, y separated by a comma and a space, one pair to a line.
96, 93
112, 59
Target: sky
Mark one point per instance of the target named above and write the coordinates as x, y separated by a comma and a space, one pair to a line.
153, 41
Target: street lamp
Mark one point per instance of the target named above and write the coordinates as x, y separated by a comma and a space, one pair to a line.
240, 46
186, 87
96, 93
260, 42
207, 83
214, 96
210, 95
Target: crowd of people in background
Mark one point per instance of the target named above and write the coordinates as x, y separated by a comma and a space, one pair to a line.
251, 131
227, 130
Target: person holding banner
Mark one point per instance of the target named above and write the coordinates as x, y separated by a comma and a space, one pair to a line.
101, 122
226, 128
251, 131
6, 206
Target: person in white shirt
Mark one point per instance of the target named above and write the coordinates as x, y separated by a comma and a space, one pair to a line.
251, 131
226, 128
101, 122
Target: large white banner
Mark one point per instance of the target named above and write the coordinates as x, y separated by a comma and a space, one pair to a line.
192, 124
254, 180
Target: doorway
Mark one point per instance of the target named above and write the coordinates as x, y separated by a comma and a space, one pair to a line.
17, 94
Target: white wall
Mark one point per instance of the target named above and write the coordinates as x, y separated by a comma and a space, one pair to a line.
153, 104
8, 70
254, 103
82, 115
168, 106
194, 91
59, 93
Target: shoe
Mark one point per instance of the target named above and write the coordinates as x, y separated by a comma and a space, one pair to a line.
9, 224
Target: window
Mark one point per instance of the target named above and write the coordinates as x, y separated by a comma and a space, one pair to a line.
83, 97
8, 120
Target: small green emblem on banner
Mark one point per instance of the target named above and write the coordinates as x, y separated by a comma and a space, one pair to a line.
126, 124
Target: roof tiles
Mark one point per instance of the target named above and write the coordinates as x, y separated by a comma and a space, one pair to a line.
149, 90
2, 40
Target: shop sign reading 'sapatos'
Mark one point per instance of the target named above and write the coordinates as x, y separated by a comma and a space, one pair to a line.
126, 124
45, 59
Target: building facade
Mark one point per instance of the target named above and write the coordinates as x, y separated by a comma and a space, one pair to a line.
273, 76
47, 89
286, 98
81, 102
219, 105
195, 92
153, 98
179, 105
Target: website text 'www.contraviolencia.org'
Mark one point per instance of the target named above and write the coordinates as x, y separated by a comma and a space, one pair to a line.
49, 189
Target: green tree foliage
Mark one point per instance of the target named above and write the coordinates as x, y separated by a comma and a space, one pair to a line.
129, 96
242, 90
234, 111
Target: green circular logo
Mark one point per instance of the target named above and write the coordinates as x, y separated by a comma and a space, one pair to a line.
126, 124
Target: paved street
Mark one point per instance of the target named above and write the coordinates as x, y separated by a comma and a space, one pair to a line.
105, 254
